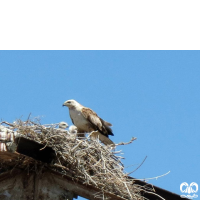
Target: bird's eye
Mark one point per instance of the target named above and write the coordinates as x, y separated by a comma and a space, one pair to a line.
69, 101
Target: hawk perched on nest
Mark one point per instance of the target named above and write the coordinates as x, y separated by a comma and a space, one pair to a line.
86, 120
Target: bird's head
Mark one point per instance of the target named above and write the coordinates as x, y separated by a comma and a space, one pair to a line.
70, 103
63, 125
73, 129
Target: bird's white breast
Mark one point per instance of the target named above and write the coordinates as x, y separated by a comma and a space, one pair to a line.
78, 119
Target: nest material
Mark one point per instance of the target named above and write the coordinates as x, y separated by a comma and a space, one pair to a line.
84, 160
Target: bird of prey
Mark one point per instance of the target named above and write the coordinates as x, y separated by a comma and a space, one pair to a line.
72, 129
73, 132
63, 125
86, 121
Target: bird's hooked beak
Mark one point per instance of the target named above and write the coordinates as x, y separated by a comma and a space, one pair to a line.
65, 103
68, 103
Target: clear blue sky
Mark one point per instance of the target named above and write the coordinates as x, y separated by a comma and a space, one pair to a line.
151, 95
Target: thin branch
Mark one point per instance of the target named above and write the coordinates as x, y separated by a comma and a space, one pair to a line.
138, 166
125, 143
153, 177
4, 122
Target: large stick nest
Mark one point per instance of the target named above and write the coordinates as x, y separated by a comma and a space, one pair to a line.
84, 160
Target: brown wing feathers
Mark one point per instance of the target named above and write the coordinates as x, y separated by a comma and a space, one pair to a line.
98, 123
106, 128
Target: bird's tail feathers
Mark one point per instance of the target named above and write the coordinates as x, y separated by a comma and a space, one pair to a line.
105, 140
106, 126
